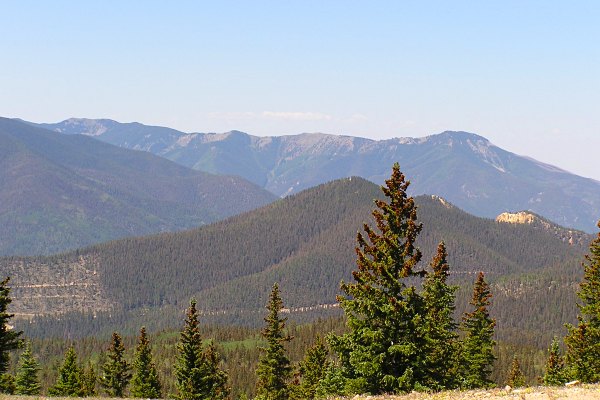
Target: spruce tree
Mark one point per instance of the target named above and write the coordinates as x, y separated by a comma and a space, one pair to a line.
583, 341
383, 350
89, 380
478, 344
9, 338
214, 380
115, 372
27, 381
515, 376
69, 382
274, 369
441, 346
311, 370
197, 373
145, 382
554, 374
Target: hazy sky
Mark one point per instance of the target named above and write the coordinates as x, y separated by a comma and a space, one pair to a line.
524, 74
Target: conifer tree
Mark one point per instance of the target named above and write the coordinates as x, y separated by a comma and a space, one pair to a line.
7, 384
214, 380
69, 382
478, 344
311, 370
583, 341
9, 338
197, 373
116, 370
441, 348
515, 376
274, 369
554, 373
27, 381
89, 380
145, 382
383, 350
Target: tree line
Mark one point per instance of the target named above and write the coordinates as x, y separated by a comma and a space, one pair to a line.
401, 333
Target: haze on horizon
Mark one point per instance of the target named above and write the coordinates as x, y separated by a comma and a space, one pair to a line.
523, 74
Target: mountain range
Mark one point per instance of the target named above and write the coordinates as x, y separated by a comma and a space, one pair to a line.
306, 243
60, 192
464, 168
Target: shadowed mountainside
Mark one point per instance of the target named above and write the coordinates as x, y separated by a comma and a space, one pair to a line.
60, 192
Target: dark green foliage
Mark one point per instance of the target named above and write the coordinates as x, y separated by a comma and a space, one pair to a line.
554, 374
441, 344
145, 382
9, 338
478, 344
306, 244
311, 370
7, 384
27, 381
515, 376
197, 373
116, 370
383, 350
274, 370
89, 379
69, 382
214, 379
583, 340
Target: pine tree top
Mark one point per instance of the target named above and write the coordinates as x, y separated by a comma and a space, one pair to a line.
589, 289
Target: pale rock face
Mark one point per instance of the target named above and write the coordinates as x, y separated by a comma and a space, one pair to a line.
570, 236
442, 201
89, 127
521, 217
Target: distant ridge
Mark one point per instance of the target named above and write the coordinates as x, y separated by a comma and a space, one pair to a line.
463, 167
61, 192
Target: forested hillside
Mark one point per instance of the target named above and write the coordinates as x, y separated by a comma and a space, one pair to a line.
306, 243
61, 192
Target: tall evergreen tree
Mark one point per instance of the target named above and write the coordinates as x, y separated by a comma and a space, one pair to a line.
383, 350
116, 371
27, 381
9, 338
145, 382
583, 341
196, 372
441, 346
274, 369
311, 370
515, 377
69, 382
89, 380
554, 374
214, 379
478, 344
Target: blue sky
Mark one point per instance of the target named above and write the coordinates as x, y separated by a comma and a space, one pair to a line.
524, 74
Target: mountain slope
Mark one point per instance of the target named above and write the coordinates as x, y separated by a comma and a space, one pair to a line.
306, 243
464, 168
61, 192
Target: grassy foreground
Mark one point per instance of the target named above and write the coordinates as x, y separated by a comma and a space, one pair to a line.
582, 392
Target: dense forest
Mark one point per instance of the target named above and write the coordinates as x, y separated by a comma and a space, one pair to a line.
304, 242
404, 323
